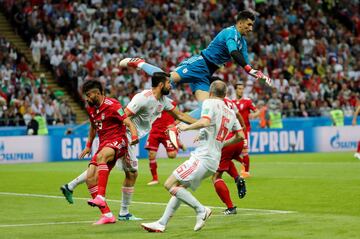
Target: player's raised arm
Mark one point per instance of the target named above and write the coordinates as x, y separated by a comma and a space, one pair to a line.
177, 114
201, 123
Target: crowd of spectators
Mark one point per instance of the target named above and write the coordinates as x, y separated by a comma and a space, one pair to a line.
23, 95
309, 48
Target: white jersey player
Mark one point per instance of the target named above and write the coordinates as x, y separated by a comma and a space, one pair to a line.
216, 121
143, 109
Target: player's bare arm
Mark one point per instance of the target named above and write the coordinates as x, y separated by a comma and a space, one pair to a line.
238, 136
254, 114
201, 123
133, 131
128, 112
92, 134
177, 114
356, 113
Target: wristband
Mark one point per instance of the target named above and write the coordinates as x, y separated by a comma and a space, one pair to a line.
88, 144
247, 68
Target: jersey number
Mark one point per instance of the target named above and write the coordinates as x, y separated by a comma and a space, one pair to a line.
223, 130
98, 125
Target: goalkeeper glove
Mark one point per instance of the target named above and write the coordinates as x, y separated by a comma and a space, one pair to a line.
257, 74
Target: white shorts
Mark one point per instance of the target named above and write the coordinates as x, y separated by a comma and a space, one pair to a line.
129, 163
191, 173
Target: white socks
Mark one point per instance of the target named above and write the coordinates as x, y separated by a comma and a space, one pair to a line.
79, 180
126, 197
186, 197
170, 209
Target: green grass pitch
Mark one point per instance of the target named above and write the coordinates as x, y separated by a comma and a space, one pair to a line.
289, 196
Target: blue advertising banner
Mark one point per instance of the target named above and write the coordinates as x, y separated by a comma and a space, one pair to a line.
19, 149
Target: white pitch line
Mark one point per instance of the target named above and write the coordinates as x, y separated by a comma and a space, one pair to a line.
265, 211
44, 224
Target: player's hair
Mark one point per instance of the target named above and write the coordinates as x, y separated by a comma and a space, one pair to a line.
218, 88
244, 15
215, 78
239, 83
92, 84
158, 77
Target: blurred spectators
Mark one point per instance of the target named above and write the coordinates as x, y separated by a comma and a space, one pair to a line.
311, 68
22, 94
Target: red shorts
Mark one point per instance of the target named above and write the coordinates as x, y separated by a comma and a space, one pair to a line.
155, 139
228, 153
120, 147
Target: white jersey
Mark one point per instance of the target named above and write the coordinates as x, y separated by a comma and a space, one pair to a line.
222, 121
146, 109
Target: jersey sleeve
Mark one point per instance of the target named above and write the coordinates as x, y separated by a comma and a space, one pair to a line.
231, 38
207, 110
119, 112
244, 51
168, 104
136, 103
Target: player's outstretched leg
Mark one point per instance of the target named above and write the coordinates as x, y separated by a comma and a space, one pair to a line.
140, 63
67, 193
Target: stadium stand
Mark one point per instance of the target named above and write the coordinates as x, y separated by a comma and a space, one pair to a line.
311, 52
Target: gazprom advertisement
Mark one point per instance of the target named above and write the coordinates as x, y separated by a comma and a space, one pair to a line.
21, 149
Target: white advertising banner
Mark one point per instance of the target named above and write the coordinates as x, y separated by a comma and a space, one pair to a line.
331, 139
23, 149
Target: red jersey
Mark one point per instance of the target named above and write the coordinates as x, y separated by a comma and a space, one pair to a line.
108, 120
229, 103
161, 124
245, 106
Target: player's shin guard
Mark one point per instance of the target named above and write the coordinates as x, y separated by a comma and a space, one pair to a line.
126, 197
223, 192
103, 173
197, 112
149, 69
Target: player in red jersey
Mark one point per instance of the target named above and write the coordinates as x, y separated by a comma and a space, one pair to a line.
109, 121
226, 164
159, 135
248, 111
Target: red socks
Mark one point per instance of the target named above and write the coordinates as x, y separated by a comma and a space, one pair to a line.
93, 190
246, 162
103, 175
358, 149
232, 171
223, 192
153, 168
